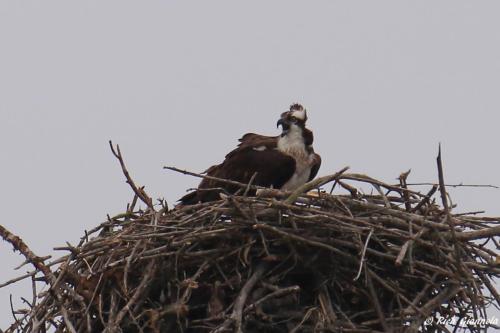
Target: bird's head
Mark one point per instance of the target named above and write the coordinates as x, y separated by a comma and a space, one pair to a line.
294, 119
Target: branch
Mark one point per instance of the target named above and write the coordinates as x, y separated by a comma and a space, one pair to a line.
314, 184
139, 292
363, 255
478, 234
138, 191
19, 245
442, 186
222, 180
376, 303
236, 316
278, 293
454, 185
37, 261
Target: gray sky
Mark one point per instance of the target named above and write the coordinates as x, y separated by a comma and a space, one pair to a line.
178, 82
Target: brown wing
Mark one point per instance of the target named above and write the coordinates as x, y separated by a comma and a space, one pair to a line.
252, 140
308, 137
255, 154
315, 165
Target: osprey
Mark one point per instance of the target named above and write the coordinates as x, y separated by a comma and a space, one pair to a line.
284, 162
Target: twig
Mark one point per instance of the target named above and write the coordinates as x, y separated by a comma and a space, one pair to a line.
314, 184
249, 184
454, 185
138, 191
405, 247
236, 316
442, 188
361, 262
478, 234
19, 245
376, 303
149, 271
315, 245
402, 182
426, 199
222, 180
275, 294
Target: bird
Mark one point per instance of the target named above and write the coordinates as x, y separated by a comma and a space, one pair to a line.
284, 162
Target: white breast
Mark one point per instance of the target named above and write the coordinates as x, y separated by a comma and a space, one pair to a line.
299, 178
293, 144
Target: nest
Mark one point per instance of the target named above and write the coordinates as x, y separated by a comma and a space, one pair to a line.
307, 261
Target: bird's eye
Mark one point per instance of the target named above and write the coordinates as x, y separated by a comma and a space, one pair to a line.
294, 119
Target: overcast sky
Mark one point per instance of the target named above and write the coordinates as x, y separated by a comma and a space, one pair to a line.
178, 82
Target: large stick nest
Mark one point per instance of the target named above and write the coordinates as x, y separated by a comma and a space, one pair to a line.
313, 262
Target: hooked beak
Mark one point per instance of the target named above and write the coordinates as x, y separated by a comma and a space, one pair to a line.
284, 124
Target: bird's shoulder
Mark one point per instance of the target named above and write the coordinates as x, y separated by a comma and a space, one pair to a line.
257, 140
253, 141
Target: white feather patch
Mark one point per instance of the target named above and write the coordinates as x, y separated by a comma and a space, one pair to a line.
293, 144
260, 148
299, 114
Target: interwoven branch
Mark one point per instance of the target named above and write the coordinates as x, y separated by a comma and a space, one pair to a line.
295, 262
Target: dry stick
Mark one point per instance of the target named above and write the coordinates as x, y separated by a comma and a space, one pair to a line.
404, 248
425, 199
12, 311
33, 289
361, 262
351, 189
305, 240
419, 297
36, 261
313, 184
347, 219
97, 286
402, 181
222, 180
131, 207
490, 287
395, 291
442, 188
304, 319
325, 223
325, 301
478, 234
19, 245
410, 251
128, 261
237, 314
434, 303
455, 185
250, 182
276, 293
376, 303
138, 191
387, 203
421, 220
192, 282
370, 180
25, 262
146, 280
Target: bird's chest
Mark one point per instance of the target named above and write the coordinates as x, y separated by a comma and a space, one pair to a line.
297, 150
300, 176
